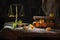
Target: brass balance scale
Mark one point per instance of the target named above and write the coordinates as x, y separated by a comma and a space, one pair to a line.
15, 14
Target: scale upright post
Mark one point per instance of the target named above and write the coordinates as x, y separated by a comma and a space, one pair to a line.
16, 14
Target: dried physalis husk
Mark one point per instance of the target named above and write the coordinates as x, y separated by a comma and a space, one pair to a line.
48, 28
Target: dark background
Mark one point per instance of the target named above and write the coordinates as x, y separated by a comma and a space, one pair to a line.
31, 7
